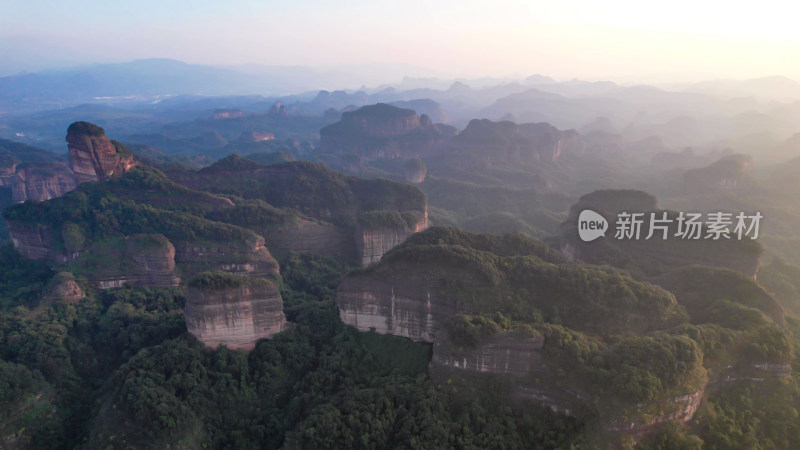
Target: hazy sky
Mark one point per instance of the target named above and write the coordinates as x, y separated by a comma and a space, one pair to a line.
679, 39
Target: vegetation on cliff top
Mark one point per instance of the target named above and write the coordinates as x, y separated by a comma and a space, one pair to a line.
100, 214
217, 281
310, 188
86, 128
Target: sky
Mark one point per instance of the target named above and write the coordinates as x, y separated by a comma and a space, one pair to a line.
678, 40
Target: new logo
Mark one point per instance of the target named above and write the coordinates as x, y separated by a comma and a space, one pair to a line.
591, 225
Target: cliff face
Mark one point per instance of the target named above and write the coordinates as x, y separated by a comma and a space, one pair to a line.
247, 258
41, 182
383, 132
681, 408
236, 317
8, 169
35, 242
505, 142
502, 353
306, 236
373, 242
401, 301
93, 156
144, 261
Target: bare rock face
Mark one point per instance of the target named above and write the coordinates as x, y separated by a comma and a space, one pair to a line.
42, 182
93, 156
502, 353
35, 242
64, 288
246, 258
306, 236
415, 171
231, 310
372, 242
8, 170
145, 260
400, 300
681, 408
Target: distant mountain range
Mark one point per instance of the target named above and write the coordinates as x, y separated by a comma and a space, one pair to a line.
149, 80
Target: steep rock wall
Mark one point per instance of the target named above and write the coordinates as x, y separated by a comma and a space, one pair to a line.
42, 182
145, 261
306, 236
92, 155
399, 301
36, 242
236, 317
373, 243
503, 353
247, 258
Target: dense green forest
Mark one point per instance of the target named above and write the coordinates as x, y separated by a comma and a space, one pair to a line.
118, 368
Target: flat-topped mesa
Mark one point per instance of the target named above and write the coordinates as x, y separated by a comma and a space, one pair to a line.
233, 310
508, 143
654, 256
303, 206
93, 156
441, 272
730, 173
383, 131
113, 254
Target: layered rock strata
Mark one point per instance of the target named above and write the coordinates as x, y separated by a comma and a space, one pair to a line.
233, 311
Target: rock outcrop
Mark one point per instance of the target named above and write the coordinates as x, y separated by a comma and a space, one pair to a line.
138, 261
93, 156
383, 131
231, 310
278, 109
414, 171
503, 353
35, 242
313, 191
373, 241
484, 141
41, 182
445, 286
63, 288
308, 236
246, 258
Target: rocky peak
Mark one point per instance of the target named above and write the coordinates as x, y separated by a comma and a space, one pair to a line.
93, 156
278, 109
